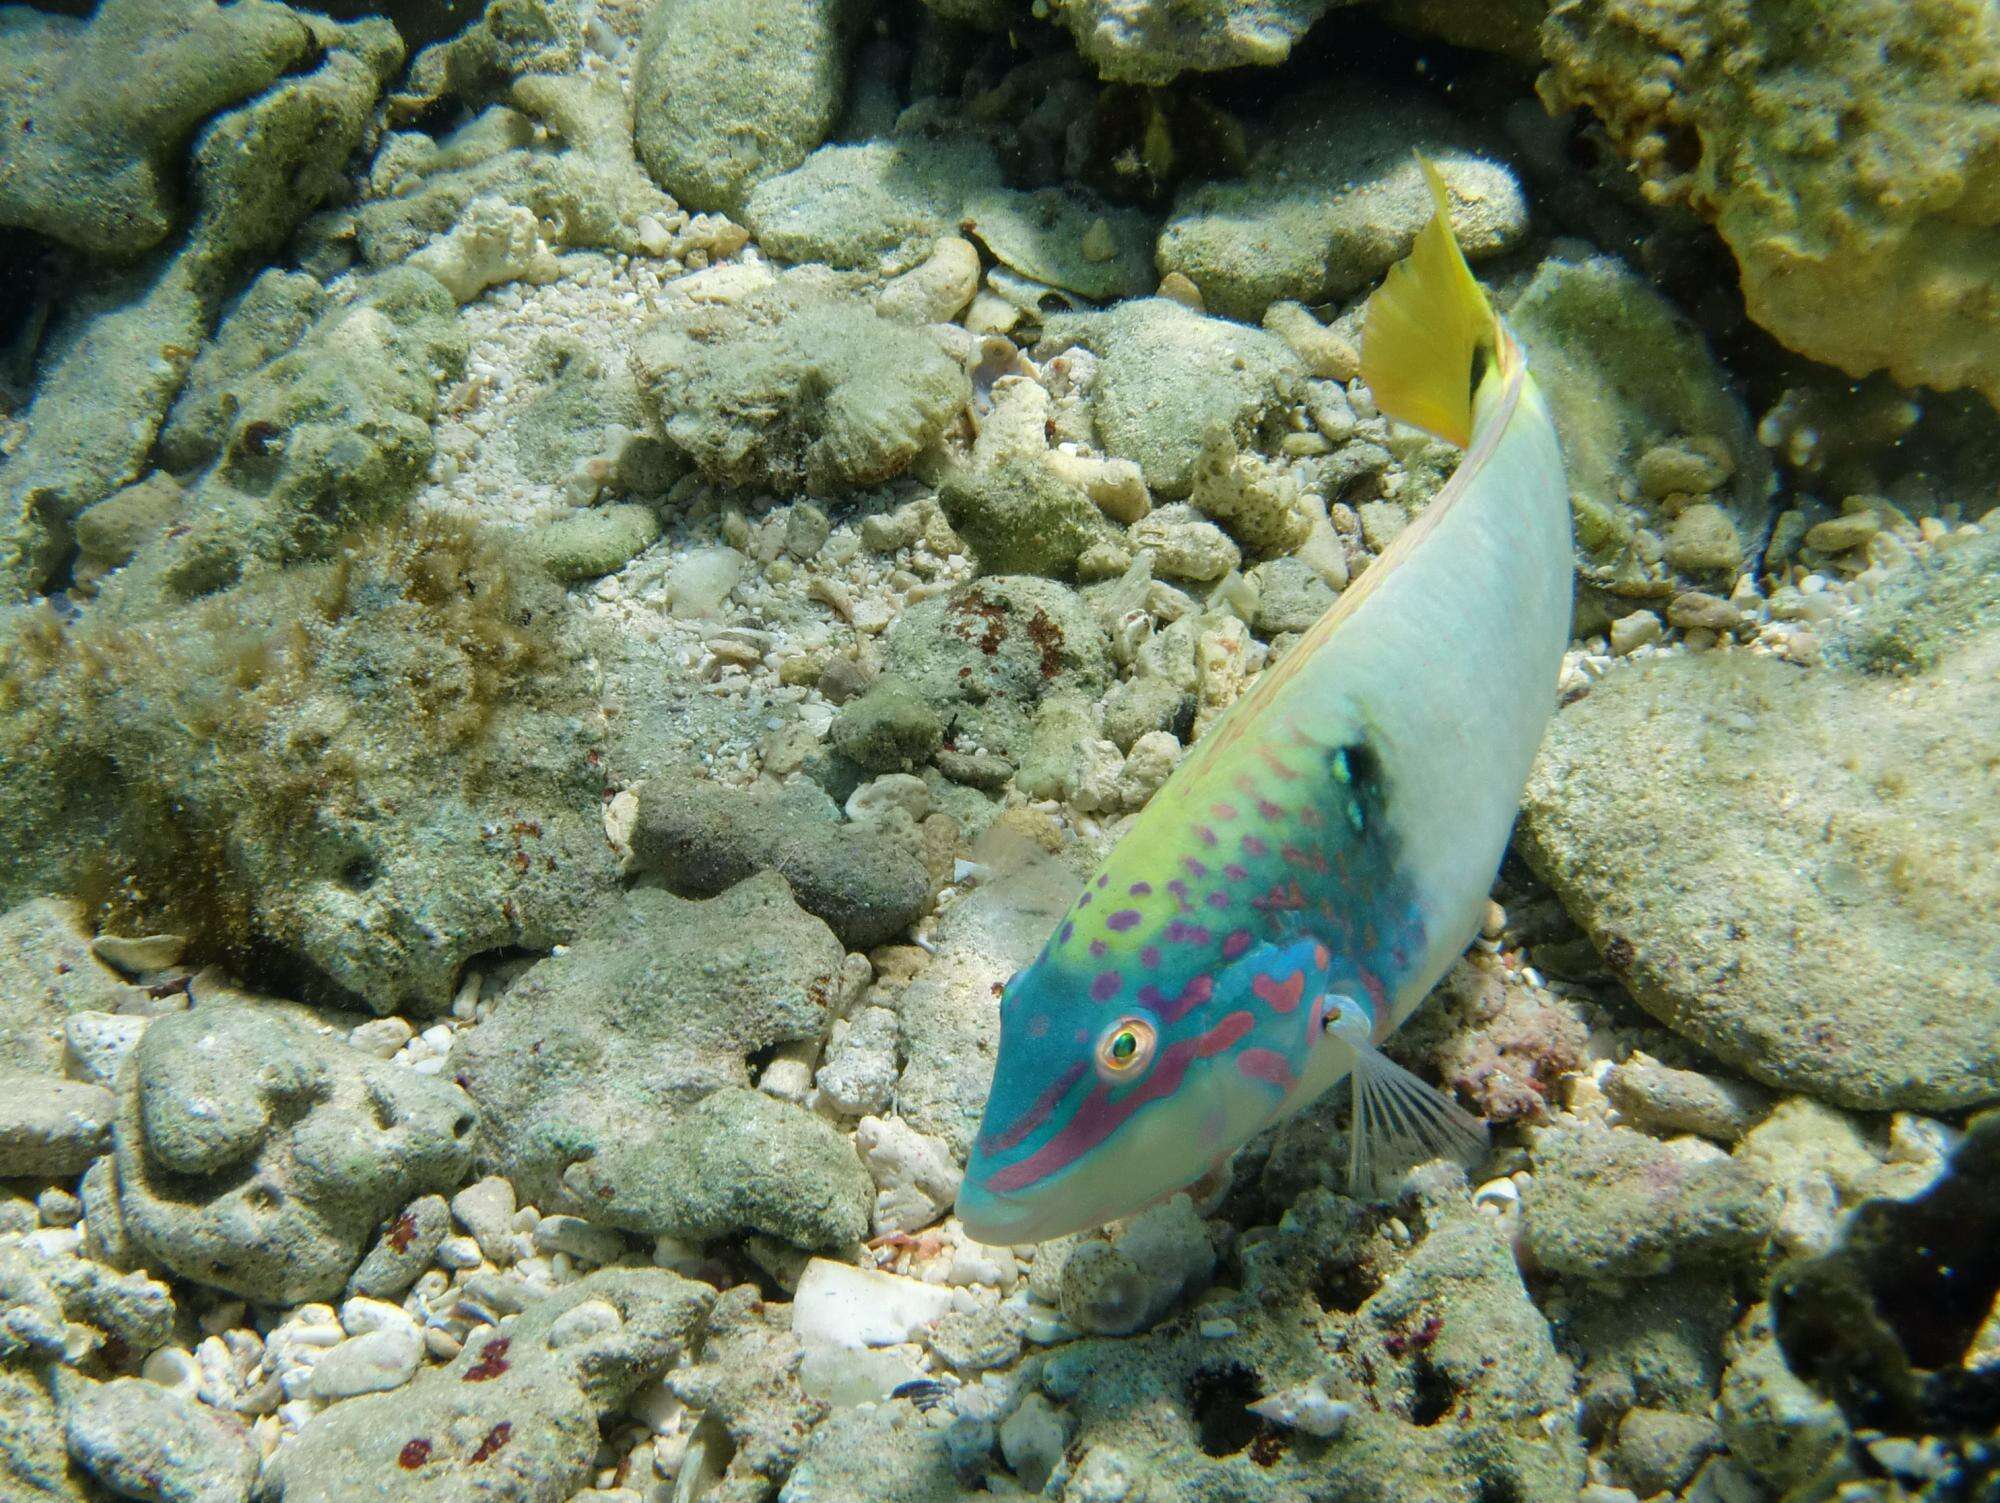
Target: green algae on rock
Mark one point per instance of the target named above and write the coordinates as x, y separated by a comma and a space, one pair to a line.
726, 96
1858, 185
1330, 199
797, 385
1631, 382
300, 1144
655, 1007
1783, 865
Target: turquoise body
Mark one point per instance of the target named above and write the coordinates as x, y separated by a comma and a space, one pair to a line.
1335, 835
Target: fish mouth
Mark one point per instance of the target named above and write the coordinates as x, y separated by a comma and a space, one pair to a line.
998, 1219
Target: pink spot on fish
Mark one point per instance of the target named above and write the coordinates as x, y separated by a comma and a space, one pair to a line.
1268, 1066
1223, 811
1099, 949
1235, 943
1236, 872
1150, 957
1123, 919
1268, 809
1107, 985
1195, 868
1252, 846
1218, 899
1279, 996
1140, 889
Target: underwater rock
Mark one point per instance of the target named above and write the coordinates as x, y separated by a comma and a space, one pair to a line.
1626, 374
1331, 198
1606, 1203
796, 384
1779, 863
588, 401
521, 1403
747, 1382
1452, 1376
1022, 507
47, 975
73, 1308
328, 436
727, 96
886, 1453
1885, 1324
1155, 41
100, 112
987, 653
1065, 237
116, 358
142, 1440
1655, 1343
888, 726
271, 316
1774, 1422
403, 1249
1861, 240
592, 542
496, 242
1665, 1101
1128, 1283
255, 1155
645, 1013
511, 38
741, 1161
51, 1128
559, 146
1167, 375
867, 881
871, 205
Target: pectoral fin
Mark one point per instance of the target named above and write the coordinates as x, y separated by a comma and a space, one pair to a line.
1400, 1122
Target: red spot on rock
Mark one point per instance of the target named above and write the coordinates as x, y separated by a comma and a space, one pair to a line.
497, 1437
492, 1361
414, 1454
402, 1232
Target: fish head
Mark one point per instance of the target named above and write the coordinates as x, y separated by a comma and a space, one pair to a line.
1108, 1097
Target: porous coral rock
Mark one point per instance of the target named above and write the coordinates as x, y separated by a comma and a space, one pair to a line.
747, 1382
1155, 41
1166, 375
797, 384
521, 1404
98, 113
145, 1441
1257, 502
254, 1155
495, 242
1856, 183
116, 359
1330, 200
555, 1081
1790, 856
726, 96
1625, 373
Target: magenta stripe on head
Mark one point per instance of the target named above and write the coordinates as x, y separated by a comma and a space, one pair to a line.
1198, 991
1035, 1115
1099, 1115
1235, 943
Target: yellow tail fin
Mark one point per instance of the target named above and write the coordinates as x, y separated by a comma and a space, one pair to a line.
1429, 335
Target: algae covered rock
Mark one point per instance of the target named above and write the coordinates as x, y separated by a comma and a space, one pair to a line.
869, 204
521, 1405
116, 357
143, 1440
1778, 862
1858, 187
1155, 41
740, 1162
1610, 1204
867, 881
1331, 198
795, 385
652, 1009
589, 543
987, 654
1629, 379
99, 113
256, 1156
728, 95
1168, 374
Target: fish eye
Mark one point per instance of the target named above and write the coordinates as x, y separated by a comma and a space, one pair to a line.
1126, 1048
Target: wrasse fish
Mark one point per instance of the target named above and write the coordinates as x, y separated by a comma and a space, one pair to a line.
1318, 860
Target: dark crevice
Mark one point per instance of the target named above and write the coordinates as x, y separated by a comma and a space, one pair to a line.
1434, 1396
1219, 1400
